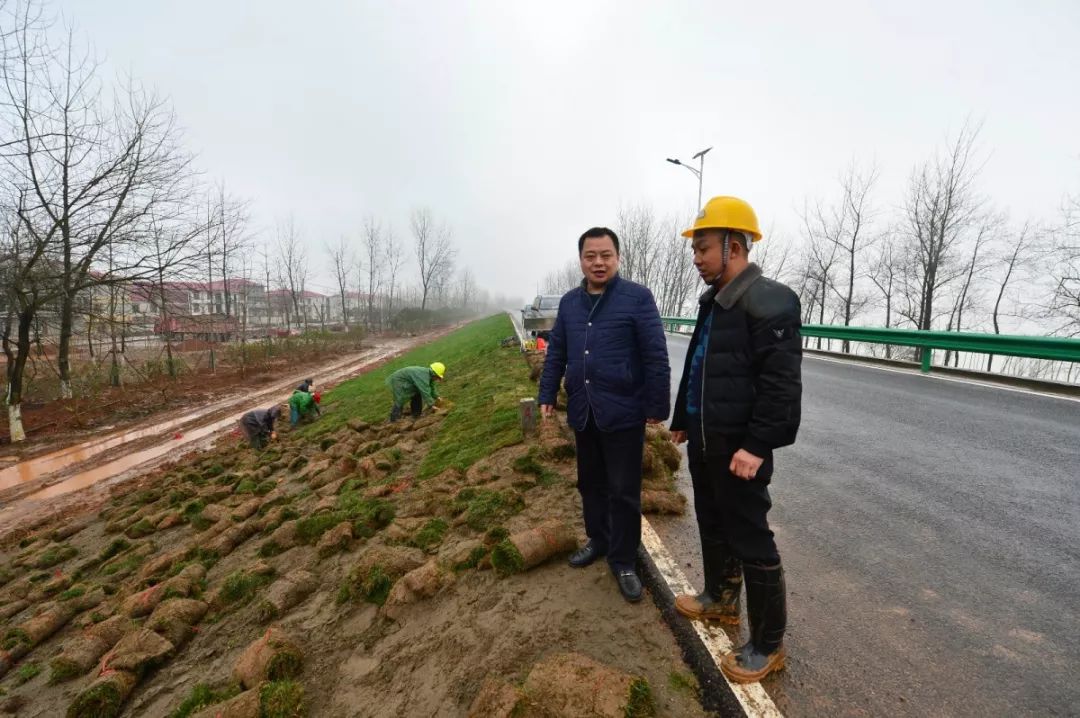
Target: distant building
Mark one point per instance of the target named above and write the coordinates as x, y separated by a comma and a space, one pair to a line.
315, 309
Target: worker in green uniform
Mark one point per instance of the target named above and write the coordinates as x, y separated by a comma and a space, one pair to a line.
303, 405
414, 385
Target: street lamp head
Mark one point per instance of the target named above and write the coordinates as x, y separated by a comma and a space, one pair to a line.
702, 153
674, 162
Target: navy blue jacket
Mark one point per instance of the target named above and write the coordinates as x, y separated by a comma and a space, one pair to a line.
614, 357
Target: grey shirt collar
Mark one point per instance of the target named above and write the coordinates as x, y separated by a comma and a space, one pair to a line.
727, 295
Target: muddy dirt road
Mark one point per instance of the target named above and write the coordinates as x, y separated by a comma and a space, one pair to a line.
44, 485
929, 529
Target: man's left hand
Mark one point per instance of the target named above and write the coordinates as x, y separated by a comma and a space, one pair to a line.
745, 465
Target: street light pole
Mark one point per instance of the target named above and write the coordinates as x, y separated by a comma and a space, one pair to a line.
699, 172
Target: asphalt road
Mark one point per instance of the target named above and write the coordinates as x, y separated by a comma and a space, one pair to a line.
930, 530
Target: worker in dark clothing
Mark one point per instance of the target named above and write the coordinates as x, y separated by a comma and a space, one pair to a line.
415, 385
258, 425
738, 401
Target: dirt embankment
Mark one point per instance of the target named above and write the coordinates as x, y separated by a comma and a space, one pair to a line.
323, 576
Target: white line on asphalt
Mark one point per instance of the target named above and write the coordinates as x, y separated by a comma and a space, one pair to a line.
753, 698
940, 377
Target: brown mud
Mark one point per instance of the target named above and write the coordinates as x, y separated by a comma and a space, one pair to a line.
217, 570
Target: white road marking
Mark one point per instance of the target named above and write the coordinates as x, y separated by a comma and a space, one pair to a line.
942, 377
753, 698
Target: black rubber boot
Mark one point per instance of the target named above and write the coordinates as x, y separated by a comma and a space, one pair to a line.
766, 607
719, 601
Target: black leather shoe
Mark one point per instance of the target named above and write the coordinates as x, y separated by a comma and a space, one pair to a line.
585, 555
629, 585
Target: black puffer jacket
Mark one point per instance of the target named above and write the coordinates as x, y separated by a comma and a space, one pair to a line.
753, 367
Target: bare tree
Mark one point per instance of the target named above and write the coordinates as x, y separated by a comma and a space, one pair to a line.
435, 252
563, 279
172, 255
821, 257
342, 261
1063, 308
232, 223
293, 269
393, 260
1017, 246
640, 236
883, 273
675, 277
845, 226
92, 171
268, 270
30, 281
987, 228
772, 255
940, 208
375, 262
466, 289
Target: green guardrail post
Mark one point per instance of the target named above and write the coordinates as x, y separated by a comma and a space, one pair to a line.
927, 357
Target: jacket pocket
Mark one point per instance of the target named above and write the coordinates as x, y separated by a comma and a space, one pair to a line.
575, 377
615, 376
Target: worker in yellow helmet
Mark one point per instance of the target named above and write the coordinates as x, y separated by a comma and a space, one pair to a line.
415, 385
734, 416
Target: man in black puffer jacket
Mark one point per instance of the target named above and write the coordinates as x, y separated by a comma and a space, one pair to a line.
738, 401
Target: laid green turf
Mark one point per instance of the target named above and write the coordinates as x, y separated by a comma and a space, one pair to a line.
484, 383
202, 696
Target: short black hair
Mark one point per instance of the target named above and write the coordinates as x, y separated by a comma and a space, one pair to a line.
596, 233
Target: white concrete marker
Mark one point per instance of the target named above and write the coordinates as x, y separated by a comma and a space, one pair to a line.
751, 696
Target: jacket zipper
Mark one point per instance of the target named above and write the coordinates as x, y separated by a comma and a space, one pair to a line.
704, 364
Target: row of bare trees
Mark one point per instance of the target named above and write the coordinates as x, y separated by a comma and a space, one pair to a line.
369, 269
98, 196
942, 257
90, 169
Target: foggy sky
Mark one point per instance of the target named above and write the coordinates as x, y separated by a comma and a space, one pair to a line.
521, 124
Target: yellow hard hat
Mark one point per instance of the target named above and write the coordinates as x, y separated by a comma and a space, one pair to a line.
726, 213
439, 368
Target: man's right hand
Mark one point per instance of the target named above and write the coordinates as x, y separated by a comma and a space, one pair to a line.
546, 410
678, 437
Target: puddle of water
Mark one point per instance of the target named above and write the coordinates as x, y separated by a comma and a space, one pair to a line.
50, 463
131, 461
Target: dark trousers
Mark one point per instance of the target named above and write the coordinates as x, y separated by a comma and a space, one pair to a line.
609, 480
732, 513
416, 407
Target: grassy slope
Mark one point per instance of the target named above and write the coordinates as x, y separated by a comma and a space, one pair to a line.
484, 382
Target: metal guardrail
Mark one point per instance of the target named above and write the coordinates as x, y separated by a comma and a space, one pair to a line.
1050, 348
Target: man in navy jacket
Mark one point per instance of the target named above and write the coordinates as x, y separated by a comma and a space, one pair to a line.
610, 344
